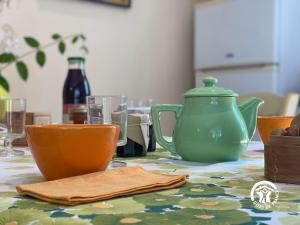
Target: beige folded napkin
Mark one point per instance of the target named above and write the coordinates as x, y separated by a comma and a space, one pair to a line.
101, 185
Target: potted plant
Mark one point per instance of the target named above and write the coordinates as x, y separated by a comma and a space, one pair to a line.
10, 57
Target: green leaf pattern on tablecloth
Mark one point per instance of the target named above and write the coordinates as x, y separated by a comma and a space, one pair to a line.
155, 199
6, 203
290, 220
31, 203
18, 168
24, 217
201, 190
114, 206
284, 206
210, 203
216, 194
182, 217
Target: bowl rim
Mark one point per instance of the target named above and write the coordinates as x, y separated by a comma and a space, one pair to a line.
275, 117
71, 126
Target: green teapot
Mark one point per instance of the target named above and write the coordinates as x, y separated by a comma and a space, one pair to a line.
210, 126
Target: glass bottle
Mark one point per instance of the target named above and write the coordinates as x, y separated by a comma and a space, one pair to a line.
76, 88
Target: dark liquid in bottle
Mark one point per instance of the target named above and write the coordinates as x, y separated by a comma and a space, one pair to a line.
75, 90
76, 87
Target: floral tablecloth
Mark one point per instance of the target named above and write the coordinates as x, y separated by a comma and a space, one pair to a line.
215, 194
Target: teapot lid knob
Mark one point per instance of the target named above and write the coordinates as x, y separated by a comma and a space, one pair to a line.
210, 89
210, 81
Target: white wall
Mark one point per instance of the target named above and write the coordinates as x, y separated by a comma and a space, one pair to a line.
290, 47
142, 52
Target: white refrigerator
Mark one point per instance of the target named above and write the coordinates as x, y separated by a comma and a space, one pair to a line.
249, 45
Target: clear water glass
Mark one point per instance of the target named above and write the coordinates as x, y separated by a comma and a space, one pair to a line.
12, 124
108, 109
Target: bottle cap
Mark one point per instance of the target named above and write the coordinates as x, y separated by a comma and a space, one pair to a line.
77, 58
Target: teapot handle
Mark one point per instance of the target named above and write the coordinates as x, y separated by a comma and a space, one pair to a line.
155, 113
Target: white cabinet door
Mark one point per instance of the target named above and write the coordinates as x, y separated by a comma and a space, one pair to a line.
245, 81
235, 32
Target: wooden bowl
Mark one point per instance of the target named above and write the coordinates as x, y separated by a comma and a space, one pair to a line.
266, 124
282, 157
69, 150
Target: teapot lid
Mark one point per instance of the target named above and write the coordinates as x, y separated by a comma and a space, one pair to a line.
210, 90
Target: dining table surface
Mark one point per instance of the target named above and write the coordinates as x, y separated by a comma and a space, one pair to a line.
215, 194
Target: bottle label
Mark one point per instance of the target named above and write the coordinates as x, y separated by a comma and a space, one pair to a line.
67, 109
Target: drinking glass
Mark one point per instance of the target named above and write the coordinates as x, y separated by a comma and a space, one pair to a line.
108, 109
139, 106
12, 123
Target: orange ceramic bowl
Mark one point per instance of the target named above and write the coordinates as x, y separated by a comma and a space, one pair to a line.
266, 124
69, 150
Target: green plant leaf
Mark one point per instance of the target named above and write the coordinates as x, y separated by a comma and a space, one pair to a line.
40, 58
82, 37
4, 83
7, 57
56, 36
75, 39
32, 42
22, 70
62, 47
84, 48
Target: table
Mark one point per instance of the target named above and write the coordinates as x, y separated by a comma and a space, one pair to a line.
216, 194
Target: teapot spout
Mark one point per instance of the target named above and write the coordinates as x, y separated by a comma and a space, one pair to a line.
249, 110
